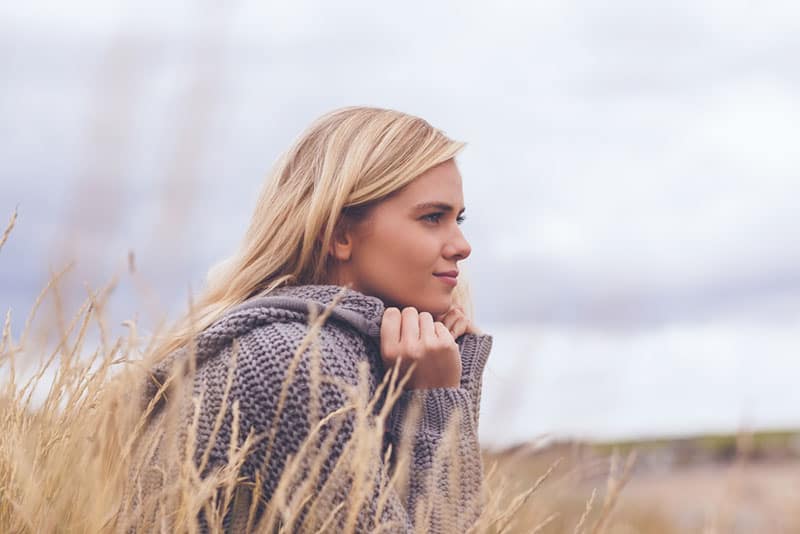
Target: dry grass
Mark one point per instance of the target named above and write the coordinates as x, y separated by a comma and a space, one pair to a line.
70, 461
7, 231
698, 490
74, 447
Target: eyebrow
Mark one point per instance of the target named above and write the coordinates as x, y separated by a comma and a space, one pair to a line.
438, 205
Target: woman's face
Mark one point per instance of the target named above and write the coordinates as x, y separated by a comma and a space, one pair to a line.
396, 252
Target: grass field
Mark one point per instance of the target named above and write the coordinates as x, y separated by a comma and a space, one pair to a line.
66, 458
745, 483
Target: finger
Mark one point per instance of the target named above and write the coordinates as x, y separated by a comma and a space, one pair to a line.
442, 316
442, 332
459, 327
450, 319
426, 329
409, 325
390, 329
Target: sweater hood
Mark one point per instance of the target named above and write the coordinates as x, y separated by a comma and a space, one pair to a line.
362, 312
284, 304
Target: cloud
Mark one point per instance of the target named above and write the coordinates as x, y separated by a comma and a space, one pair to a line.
624, 163
714, 376
630, 175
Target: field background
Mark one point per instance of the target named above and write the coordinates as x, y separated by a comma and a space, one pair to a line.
631, 178
744, 483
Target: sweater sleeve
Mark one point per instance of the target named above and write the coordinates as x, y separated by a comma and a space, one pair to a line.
444, 478
440, 484
474, 351
444, 471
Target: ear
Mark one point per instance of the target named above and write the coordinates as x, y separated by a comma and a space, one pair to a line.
341, 247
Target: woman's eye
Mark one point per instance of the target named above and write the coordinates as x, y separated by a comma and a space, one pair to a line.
434, 218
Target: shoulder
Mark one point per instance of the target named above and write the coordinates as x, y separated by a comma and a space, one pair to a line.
292, 345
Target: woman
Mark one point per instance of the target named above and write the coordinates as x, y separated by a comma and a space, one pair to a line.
359, 221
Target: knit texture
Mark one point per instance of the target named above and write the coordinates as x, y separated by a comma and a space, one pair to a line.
440, 488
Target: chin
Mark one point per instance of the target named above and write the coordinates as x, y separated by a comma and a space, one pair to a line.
436, 308
437, 305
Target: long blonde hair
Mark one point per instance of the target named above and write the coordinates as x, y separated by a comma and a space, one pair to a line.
344, 162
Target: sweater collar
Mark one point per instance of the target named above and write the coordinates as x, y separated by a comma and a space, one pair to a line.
368, 306
364, 312
360, 311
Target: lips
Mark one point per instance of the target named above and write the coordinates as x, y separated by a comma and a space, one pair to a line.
449, 278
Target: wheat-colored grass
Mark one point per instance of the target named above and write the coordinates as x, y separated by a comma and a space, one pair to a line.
76, 444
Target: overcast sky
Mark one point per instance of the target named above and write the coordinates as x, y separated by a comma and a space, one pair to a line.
631, 176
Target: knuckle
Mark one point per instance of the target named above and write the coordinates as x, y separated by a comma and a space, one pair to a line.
391, 314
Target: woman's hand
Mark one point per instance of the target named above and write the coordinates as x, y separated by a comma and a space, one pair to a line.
457, 322
414, 338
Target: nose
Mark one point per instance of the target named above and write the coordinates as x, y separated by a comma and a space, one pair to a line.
457, 247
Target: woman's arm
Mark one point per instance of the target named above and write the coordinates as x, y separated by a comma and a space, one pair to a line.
435, 407
435, 432
474, 347
474, 351
434, 423
281, 399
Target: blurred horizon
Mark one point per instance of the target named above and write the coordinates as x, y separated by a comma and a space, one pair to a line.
630, 179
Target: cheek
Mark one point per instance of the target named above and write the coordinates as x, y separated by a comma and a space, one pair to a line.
413, 246
404, 245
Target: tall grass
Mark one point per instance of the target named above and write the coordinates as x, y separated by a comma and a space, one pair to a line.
81, 452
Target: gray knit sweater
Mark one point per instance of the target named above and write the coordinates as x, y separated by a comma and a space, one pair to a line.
268, 330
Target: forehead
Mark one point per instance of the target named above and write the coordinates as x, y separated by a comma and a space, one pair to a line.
441, 183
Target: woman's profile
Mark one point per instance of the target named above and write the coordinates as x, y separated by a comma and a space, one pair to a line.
356, 240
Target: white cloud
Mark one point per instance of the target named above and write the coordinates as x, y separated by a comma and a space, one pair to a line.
630, 165
682, 379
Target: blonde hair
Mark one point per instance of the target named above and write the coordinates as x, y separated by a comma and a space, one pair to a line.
344, 162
